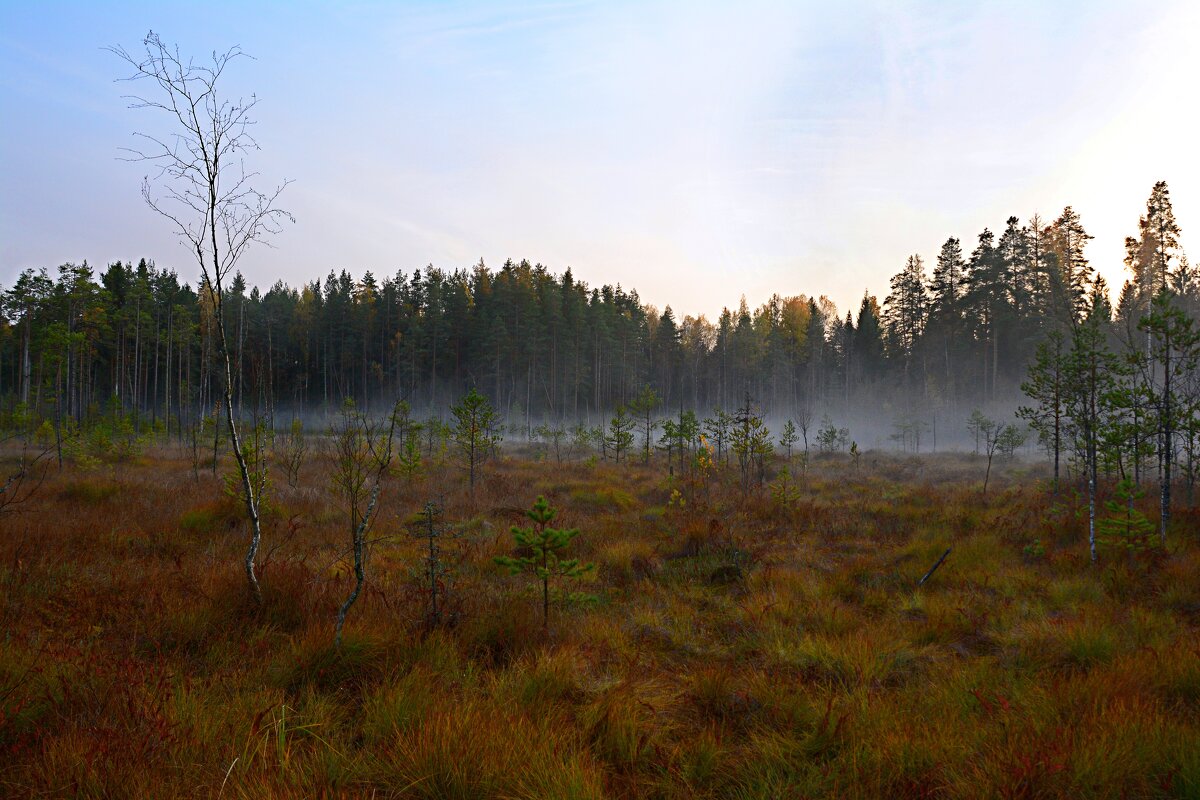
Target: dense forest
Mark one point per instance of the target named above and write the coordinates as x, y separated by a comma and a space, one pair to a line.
78, 345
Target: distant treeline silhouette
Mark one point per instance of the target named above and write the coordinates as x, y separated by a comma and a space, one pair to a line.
78, 343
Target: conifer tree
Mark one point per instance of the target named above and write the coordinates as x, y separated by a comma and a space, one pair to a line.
620, 432
1074, 277
545, 546
788, 438
643, 407
906, 309
717, 427
1174, 343
1046, 386
751, 442
1089, 380
475, 432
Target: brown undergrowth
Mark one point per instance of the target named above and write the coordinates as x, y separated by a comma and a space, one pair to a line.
731, 646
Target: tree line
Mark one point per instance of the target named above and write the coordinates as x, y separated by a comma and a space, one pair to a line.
77, 344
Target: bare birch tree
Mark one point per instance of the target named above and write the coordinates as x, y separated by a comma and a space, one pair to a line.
200, 185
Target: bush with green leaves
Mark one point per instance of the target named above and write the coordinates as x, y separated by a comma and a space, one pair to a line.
545, 547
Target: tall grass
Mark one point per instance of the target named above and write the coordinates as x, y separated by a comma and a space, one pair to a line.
733, 648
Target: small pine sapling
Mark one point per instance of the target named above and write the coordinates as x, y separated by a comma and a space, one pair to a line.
784, 491
751, 442
620, 432
436, 433
581, 440
434, 570
408, 456
545, 546
830, 438
643, 408
677, 438
977, 424
717, 427
687, 428
553, 435
474, 432
1125, 527
788, 439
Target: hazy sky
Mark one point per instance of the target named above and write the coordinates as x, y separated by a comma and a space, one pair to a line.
695, 151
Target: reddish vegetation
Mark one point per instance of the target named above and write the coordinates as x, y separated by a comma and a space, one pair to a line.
761, 647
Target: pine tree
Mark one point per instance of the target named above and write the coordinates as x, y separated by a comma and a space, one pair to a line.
717, 427
788, 438
545, 546
1074, 277
751, 443
1088, 385
1046, 386
643, 407
1174, 343
905, 310
946, 290
475, 432
620, 432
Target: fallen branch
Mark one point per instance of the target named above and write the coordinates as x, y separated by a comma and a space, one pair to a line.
933, 569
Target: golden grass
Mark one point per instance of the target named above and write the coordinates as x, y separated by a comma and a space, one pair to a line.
731, 648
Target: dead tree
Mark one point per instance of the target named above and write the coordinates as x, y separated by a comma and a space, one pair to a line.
22, 482
200, 185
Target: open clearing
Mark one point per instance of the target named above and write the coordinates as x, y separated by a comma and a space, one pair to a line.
773, 645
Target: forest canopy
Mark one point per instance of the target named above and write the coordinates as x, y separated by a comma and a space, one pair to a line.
949, 335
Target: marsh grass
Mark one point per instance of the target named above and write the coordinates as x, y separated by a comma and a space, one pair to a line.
736, 649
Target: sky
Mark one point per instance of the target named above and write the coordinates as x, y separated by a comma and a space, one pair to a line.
695, 151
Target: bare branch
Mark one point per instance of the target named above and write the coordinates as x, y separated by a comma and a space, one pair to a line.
202, 188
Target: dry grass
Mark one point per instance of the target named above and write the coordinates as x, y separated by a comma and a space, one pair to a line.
733, 647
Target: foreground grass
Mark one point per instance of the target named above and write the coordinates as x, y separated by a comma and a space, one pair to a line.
734, 648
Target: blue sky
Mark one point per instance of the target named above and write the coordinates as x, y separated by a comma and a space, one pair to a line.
695, 151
